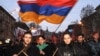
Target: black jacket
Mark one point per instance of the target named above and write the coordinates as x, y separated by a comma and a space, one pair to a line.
95, 47
31, 50
66, 50
83, 49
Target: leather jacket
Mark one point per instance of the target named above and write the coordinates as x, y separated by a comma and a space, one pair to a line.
95, 47
66, 50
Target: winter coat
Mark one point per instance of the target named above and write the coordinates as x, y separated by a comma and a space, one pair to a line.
95, 47
83, 49
66, 50
31, 50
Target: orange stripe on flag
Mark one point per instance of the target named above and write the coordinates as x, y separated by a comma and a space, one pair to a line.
29, 16
54, 18
32, 16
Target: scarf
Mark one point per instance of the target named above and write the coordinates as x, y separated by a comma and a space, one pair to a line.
43, 46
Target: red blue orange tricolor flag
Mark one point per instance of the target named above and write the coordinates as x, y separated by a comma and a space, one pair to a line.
53, 11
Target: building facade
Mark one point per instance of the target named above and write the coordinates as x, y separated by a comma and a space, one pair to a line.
6, 25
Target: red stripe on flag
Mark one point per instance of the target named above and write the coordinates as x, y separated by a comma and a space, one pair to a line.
57, 3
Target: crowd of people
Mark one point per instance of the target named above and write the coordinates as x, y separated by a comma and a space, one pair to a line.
41, 47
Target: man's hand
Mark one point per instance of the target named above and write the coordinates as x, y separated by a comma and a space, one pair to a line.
42, 52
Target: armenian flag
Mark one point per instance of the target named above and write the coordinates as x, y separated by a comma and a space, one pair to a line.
52, 11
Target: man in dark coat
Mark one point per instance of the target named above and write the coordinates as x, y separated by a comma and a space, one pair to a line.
83, 49
95, 44
25, 48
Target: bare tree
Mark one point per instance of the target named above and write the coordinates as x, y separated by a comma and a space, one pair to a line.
86, 11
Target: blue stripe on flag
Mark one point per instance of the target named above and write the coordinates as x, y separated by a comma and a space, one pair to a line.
45, 10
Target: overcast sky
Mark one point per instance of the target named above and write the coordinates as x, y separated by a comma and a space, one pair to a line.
11, 5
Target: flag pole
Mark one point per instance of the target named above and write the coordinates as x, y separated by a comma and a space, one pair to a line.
53, 33
59, 26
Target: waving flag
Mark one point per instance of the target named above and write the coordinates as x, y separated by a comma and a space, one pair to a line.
53, 11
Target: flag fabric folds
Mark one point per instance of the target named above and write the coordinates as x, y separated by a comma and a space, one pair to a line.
53, 11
